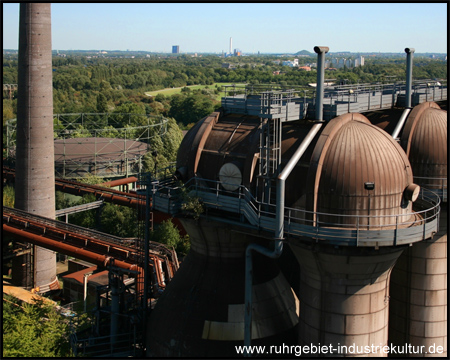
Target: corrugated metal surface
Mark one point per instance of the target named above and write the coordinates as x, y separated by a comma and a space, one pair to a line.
350, 153
219, 140
425, 142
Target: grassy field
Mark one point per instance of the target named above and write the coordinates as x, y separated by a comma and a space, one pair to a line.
172, 91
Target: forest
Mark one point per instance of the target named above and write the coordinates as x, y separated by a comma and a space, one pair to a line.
83, 84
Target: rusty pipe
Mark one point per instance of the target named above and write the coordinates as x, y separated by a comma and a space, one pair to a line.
86, 255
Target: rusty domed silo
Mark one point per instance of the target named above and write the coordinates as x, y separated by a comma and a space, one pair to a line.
418, 311
201, 312
359, 190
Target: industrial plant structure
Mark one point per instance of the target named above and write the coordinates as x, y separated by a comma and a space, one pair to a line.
270, 175
342, 194
109, 145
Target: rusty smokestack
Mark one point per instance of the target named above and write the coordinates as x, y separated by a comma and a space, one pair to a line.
35, 178
321, 51
409, 65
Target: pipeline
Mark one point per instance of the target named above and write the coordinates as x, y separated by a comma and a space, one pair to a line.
119, 182
70, 250
400, 123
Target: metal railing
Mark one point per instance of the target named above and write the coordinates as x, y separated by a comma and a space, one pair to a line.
437, 185
123, 345
341, 229
338, 99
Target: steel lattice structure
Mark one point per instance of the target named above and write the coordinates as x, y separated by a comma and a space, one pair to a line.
104, 144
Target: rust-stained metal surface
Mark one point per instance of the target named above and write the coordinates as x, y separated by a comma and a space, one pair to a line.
221, 139
122, 198
358, 169
216, 140
92, 246
124, 181
424, 139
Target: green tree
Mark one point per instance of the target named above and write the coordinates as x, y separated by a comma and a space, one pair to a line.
119, 220
33, 330
102, 103
167, 233
8, 196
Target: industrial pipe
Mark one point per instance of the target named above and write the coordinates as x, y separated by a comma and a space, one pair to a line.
124, 181
409, 61
70, 250
401, 122
321, 51
279, 232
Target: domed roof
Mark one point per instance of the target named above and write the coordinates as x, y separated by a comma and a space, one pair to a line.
357, 169
425, 141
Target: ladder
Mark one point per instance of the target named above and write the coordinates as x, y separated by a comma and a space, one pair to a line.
270, 144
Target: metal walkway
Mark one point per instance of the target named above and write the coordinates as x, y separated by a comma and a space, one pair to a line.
402, 228
338, 100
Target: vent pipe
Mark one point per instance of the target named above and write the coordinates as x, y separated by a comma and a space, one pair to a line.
409, 60
321, 51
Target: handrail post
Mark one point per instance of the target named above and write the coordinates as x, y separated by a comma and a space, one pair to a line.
357, 231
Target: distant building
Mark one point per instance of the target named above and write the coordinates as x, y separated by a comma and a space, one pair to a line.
291, 63
359, 61
227, 66
306, 68
175, 49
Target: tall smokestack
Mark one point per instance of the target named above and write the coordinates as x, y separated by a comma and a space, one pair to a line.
35, 175
231, 45
409, 61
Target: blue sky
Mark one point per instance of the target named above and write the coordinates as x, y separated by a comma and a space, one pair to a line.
264, 27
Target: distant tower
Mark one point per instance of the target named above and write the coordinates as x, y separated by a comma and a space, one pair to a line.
35, 174
231, 45
175, 49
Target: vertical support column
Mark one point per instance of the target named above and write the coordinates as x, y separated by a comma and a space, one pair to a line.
344, 298
35, 174
418, 310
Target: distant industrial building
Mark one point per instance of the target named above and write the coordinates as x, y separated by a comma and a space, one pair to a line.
175, 49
